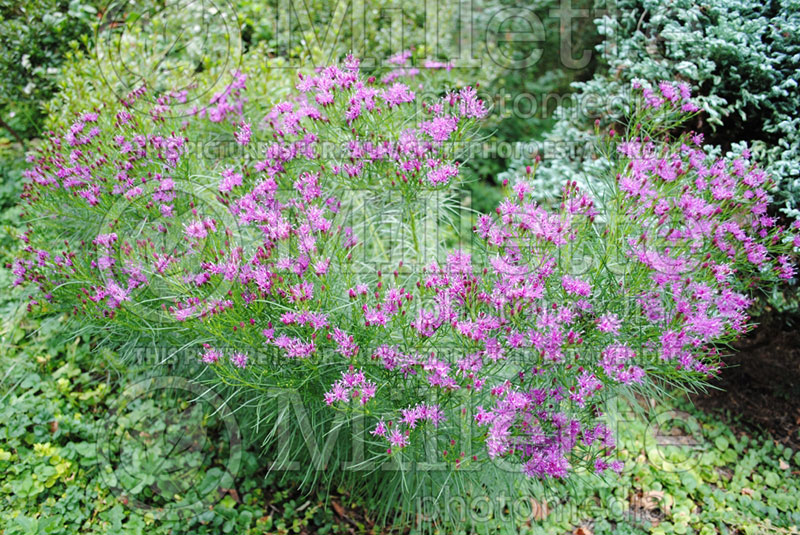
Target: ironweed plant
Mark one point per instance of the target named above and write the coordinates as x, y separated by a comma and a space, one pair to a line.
299, 264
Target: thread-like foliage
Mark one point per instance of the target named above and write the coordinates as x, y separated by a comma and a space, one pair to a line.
441, 370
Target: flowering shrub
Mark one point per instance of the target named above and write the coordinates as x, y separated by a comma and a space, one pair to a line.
502, 353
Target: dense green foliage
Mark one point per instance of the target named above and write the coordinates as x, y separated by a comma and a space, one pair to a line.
56, 479
35, 37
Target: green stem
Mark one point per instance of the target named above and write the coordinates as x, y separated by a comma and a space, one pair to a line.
414, 232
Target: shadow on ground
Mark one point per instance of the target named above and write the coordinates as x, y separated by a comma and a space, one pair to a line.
760, 386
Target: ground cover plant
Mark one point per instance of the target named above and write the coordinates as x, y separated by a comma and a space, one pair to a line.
489, 364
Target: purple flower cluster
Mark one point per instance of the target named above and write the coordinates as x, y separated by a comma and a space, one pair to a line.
397, 432
212, 356
675, 94
352, 386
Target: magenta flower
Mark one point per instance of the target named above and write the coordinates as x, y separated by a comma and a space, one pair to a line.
575, 286
346, 347
230, 180
242, 136
440, 128
380, 429
609, 323
239, 360
398, 93
195, 230
352, 385
614, 362
397, 438
442, 175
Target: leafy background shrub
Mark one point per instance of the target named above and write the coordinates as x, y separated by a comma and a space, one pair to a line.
741, 58
534, 75
35, 37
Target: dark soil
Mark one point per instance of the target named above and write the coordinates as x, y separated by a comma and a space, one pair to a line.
760, 386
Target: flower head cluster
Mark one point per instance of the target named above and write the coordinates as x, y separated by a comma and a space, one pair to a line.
352, 386
397, 433
213, 356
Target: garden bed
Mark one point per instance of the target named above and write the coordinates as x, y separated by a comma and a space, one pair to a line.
760, 387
